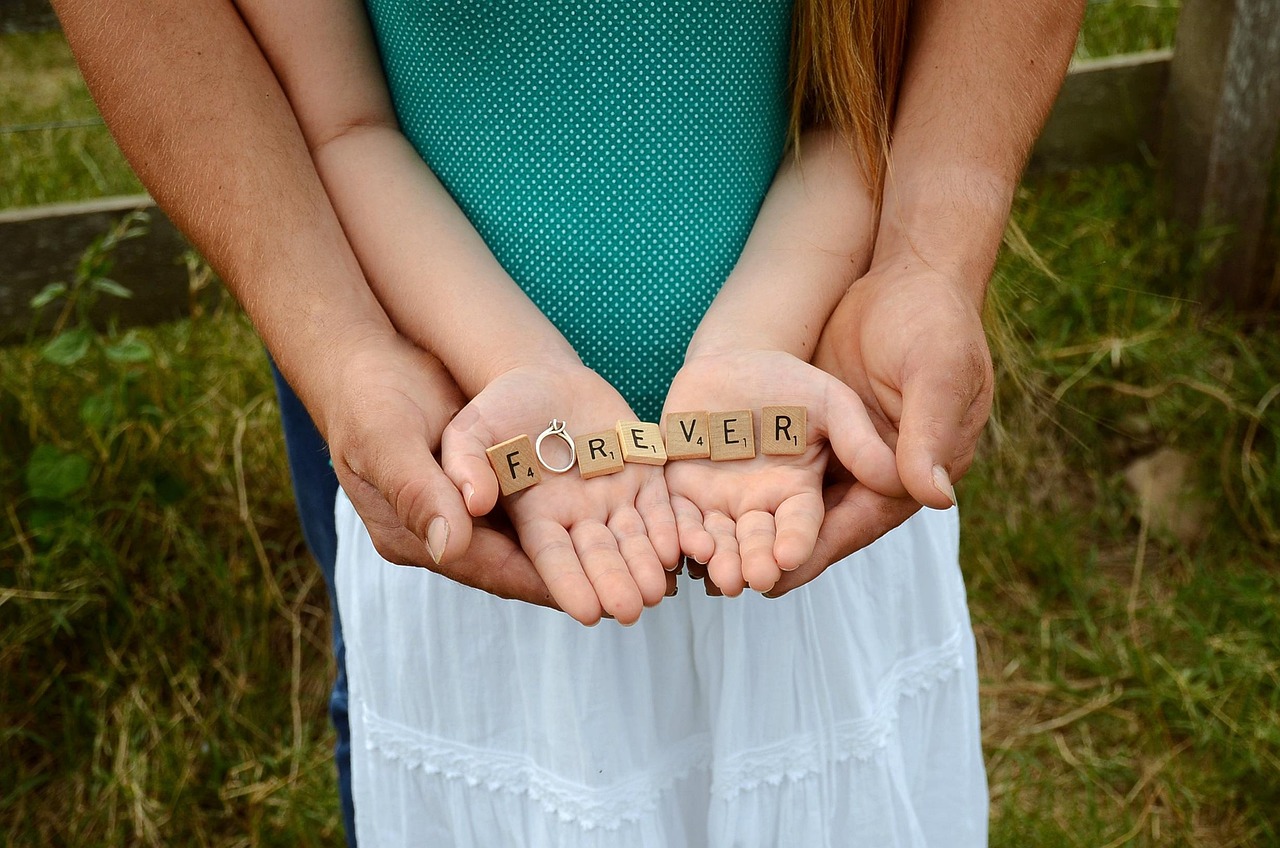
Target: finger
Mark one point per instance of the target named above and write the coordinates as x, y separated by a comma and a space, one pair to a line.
856, 443
797, 522
695, 541
494, 562
944, 407
602, 562
858, 519
725, 566
654, 506
408, 480
390, 537
462, 451
756, 536
557, 563
638, 552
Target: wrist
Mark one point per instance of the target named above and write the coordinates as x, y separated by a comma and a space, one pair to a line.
951, 221
552, 356
712, 344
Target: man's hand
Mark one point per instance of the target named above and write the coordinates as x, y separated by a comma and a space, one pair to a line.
910, 342
383, 419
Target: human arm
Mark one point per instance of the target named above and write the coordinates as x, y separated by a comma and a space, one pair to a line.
978, 83
201, 117
753, 519
444, 289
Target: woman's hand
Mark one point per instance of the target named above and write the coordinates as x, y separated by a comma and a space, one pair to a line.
601, 545
909, 340
385, 406
752, 520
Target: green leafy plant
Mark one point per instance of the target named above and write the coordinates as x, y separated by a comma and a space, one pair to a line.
53, 475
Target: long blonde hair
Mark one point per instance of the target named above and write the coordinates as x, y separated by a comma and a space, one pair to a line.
846, 64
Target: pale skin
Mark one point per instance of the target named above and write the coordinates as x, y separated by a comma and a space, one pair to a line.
221, 149
600, 546
750, 521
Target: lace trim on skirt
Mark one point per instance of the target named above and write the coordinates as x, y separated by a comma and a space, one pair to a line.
803, 755
795, 758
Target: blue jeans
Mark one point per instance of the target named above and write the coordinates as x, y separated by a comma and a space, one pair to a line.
315, 487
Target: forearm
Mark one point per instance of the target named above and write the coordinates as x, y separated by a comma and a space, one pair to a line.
423, 259
431, 270
198, 112
979, 80
810, 241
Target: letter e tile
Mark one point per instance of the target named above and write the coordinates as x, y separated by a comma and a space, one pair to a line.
642, 443
732, 435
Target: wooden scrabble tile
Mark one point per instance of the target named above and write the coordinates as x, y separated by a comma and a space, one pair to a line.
784, 430
515, 464
641, 442
732, 435
598, 454
688, 435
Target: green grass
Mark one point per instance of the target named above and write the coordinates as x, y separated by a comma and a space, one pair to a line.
163, 635
40, 85
164, 657
1126, 26
1131, 679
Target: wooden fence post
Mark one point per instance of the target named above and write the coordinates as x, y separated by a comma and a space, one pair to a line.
27, 16
43, 244
1222, 123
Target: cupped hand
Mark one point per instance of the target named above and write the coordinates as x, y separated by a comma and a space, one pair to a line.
909, 340
386, 405
752, 520
601, 545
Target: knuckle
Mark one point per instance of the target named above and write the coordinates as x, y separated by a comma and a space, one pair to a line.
413, 500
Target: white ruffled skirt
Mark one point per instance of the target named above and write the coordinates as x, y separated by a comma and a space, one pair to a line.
843, 714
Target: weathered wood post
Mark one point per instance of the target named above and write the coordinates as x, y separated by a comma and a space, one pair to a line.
26, 16
1222, 123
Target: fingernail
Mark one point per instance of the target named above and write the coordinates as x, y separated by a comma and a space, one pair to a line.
437, 537
942, 482
468, 491
673, 591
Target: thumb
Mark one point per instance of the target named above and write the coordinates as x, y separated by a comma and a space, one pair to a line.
856, 442
940, 423
411, 483
462, 450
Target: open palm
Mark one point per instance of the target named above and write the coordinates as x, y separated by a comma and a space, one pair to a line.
751, 520
601, 545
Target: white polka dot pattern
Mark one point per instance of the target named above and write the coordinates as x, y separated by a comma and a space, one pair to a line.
613, 154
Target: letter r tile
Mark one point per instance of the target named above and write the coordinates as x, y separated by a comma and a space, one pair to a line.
598, 454
784, 430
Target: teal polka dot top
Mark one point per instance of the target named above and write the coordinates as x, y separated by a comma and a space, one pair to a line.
613, 154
